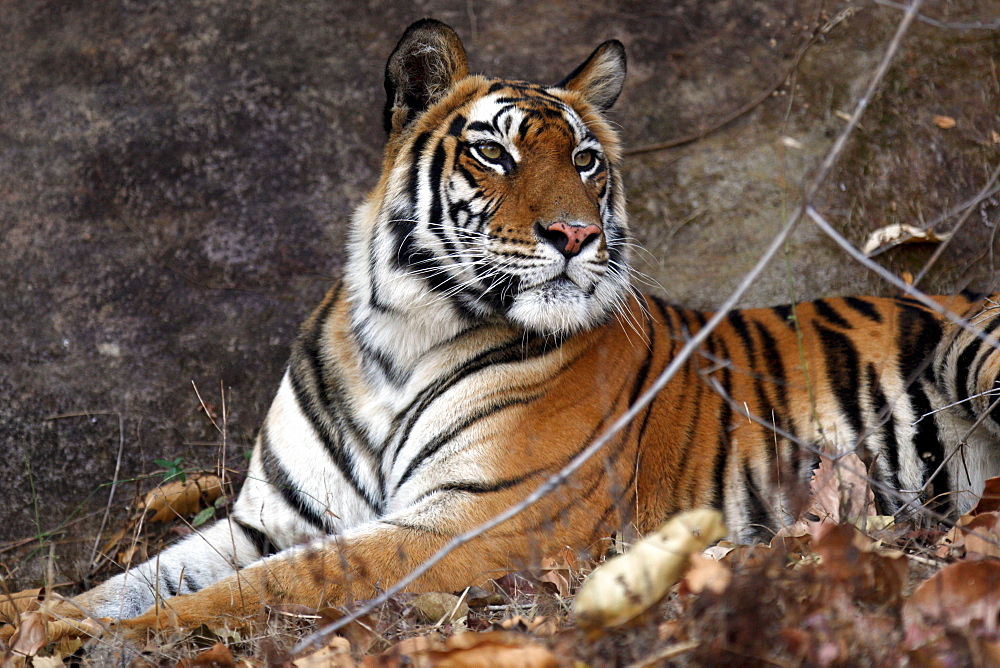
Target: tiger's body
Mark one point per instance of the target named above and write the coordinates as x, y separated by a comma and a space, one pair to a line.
486, 332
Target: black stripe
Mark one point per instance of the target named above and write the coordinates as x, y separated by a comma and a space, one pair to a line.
759, 520
282, 481
481, 487
457, 125
261, 543
723, 444
843, 372
864, 307
191, 585
785, 314
416, 150
883, 500
514, 350
775, 369
829, 314
964, 368
439, 441
316, 404
436, 217
917, 336
739, 325
394, 374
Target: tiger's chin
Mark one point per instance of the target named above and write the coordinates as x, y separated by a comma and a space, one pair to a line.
562, 308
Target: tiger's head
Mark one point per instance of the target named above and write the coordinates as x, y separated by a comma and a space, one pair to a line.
501, 198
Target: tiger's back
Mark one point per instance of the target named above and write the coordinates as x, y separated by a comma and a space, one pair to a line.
486, 333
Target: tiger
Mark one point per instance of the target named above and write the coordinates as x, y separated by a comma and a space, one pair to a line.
487, 331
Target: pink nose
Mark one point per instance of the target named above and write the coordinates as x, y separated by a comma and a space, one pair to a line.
569, 239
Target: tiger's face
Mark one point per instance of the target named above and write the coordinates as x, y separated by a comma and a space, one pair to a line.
506, 200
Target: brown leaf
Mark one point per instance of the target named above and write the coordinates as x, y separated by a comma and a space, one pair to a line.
558, 580
436, 606
840, 489
962, 595
705, 573
944, 122
467, 650
336, 654
990, 499
216, 656
12, 605
477, 597
972, 533
180, 498
849, 559
30, 636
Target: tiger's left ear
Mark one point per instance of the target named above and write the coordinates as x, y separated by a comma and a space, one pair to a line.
423, 67
600, 78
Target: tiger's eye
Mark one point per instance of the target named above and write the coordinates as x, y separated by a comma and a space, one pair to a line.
584, 159
491, 150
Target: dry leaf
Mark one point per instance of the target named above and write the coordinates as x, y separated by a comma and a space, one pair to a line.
178, 499
12, 605
896, 234
839, 489
30, 636
989, 501
972, 533
216, 656
467, 650
627, 585
944, 122
493, 648
336, 654
850, 562
963, 595
706, 573
541, 625
555, 573
436, 606
995, 136
982, 519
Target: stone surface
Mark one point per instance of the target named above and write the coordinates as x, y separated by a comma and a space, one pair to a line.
176, 181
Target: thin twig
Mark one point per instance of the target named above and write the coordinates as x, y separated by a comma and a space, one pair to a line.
111, 494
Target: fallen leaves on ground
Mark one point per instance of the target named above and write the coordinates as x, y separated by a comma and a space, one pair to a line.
835, 588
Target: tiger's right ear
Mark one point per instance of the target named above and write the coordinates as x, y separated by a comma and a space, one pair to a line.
426, 63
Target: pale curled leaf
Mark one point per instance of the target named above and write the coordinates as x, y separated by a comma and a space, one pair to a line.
627, 585
896, 234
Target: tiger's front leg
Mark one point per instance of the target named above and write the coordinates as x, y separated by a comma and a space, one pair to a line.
374, 556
